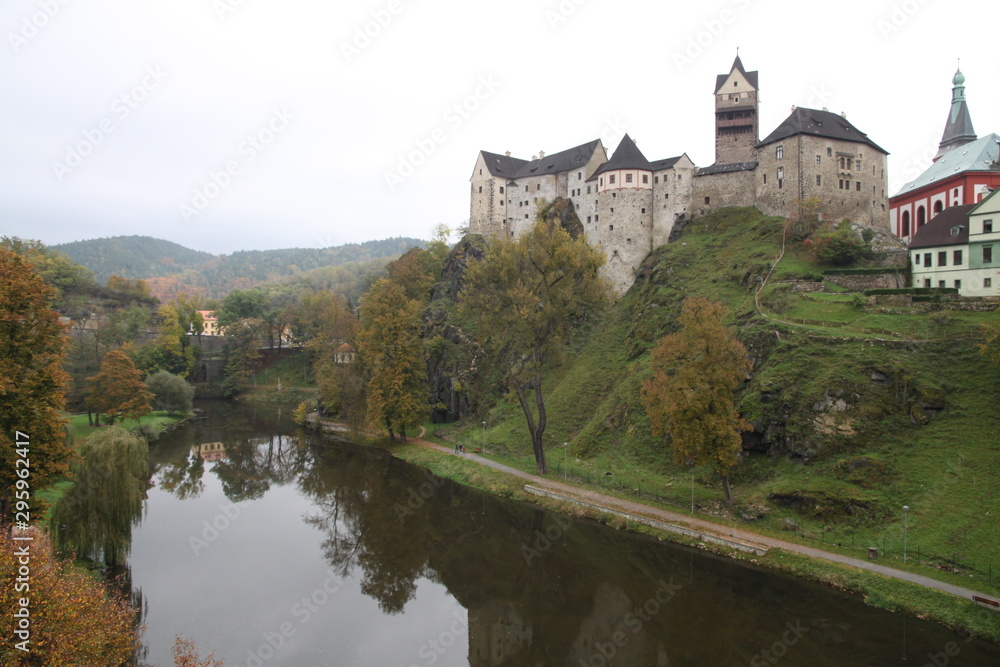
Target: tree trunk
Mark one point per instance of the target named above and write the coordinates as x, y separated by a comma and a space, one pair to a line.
388, 427
727, 490
402, 435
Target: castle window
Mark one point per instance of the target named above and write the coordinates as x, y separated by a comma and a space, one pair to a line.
819, 159
501, 189
666, 196
579, 175
538, 186
781, 174
858, 186
708, 200
841, 163
601, 182
656, 179
956, 257
628, 178
779, 152
612, 209
819, 180
614, 195
840, 186
678, 177
525, 188
480, 172
588, 219
501, 202
611, 228
596, 218
588, 189
765, 179
829, 152
857, 165
643, 210
645, 178
525, 216
611, 178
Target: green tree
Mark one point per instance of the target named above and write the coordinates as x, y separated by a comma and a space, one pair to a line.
96, 516
251, 304
118, 390
171, 392
32, 381
696, 372
242, 353
526, 296
389, 344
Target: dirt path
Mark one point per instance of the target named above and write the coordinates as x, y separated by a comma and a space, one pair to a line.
733, 537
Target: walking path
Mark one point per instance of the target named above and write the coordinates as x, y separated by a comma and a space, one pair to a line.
692, 526
705, 530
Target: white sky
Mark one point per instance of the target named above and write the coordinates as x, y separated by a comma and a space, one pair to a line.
201, 77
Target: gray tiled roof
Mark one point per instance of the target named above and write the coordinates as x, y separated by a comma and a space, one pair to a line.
726, 168
513, 168
937, 232
626, 156
659, 165
819, 124
980, 155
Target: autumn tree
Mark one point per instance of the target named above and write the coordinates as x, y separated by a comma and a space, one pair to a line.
333, 339
96, 516
389, 344
242, 353
691, 395
32, 348
75, 620
118, 390
526, 296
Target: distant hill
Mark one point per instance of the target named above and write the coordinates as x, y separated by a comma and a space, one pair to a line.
134, 257
170, 268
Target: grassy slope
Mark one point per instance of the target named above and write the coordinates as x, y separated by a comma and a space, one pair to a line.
942, 470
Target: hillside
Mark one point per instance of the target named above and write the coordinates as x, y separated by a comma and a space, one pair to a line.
853, 417
170, 268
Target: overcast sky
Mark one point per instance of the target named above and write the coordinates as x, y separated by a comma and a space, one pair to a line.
252, 124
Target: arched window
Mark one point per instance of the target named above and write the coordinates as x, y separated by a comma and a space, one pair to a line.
938, 207
921, 217
906, 224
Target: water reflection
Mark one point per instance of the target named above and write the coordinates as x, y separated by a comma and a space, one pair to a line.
535, 588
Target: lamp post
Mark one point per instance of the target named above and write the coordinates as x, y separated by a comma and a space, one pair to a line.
484, 437
565, 460
906, 511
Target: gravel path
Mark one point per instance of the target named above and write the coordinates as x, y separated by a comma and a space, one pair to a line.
707, 529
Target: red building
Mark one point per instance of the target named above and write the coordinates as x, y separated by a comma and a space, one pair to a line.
965, 170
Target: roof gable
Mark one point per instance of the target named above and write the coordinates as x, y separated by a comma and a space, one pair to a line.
502, 166
987, 205
814, 122
750, 77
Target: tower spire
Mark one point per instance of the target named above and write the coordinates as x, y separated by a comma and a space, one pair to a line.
958, 130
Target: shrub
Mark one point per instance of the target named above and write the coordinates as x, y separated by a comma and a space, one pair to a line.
173, 393
839, 248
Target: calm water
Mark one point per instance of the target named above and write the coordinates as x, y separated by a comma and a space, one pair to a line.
293, 550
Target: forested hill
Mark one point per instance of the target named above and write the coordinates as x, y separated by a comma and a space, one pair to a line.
134, 257
170, 268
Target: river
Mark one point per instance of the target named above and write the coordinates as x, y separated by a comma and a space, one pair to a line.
269, 546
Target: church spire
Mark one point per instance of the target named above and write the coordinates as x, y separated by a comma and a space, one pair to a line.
958, 130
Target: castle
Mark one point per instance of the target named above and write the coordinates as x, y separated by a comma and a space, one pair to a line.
628, 204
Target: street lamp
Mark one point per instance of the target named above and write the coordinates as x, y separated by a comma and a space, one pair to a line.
565, 459
484, 437
906, 511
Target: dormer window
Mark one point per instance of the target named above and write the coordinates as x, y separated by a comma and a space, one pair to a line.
956, 230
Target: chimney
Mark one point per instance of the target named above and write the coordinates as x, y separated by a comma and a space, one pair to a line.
508, 153
534, 157
843, 114
825, 109
794, 107
541, 154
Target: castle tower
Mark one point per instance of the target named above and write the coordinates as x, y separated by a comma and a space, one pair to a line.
736, 118
958, 130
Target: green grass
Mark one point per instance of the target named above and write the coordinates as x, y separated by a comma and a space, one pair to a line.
938, 462
159, 420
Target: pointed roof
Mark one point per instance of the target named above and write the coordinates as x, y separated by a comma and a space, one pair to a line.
626, 156
979, 155
958, 130
751, 77
502, 166
819, 124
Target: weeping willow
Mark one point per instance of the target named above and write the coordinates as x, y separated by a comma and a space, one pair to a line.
96, 516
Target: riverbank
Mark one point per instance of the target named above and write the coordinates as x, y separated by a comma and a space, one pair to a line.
880, 586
